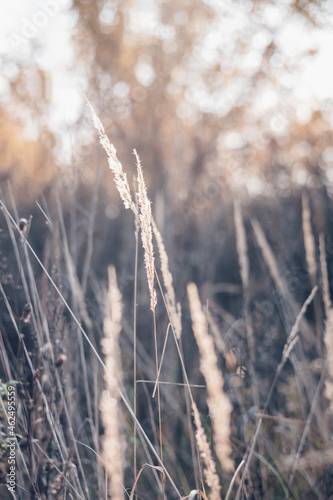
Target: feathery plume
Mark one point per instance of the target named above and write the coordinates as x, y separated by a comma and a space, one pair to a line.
211, 476
170, 297
146, 231
109, 405
116, 167
218, 402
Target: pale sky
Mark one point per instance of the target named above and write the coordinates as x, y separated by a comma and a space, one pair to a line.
25, 25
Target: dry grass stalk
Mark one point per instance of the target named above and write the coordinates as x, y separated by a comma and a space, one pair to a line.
324, 276
309, 241
245, 276
218, 402
328, 339
291, 341
293, 335
269, 257
170, 297
145, 218
219, 342
120, 177
328, 334
210, 473
241, 244
112, 444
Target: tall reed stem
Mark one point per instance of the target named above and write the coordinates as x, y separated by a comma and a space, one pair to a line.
134, 345
158, 399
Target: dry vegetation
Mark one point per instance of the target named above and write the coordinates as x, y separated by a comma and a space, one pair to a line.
110, 399
167, 322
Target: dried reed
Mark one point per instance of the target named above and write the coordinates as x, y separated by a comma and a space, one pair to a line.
307, 426
145, 218
116, 167
245, 276
219, 342
309, 241
170, 297
241, 244
57, 433
324, 276
310, 257
109, 405
243, 260
210, 473
293, 335
289, 345
219, 405
269, 257
328, 339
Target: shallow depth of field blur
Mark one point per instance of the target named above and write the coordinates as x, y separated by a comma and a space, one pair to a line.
229, 105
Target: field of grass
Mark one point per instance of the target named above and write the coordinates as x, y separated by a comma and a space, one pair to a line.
190, 362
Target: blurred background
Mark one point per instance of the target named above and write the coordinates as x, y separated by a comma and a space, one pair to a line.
215, 96
233, 92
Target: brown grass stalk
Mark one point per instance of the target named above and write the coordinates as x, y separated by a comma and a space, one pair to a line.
174, 308
289, 345
146, 443
309, 241
328, 340
145, 219
210, 473
243, 259
324, 276
241, 244
310, 257
116, 167
219, 342
109, 405
269, 257
245, 277
125, 194
136, 233
294, 333
218, 402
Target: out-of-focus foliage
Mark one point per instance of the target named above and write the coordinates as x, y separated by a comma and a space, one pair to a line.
209, 86
198, 87
26, 151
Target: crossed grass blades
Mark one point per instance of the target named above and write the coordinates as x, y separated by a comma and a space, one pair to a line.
86, 429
